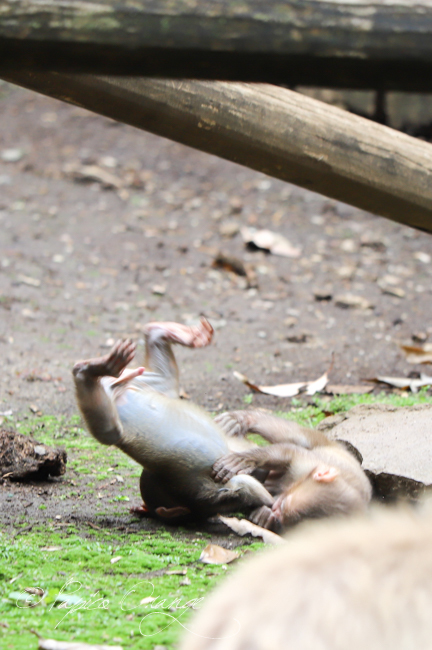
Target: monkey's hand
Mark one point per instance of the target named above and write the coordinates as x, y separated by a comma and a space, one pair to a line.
235, 424
111, 365
228, 466
266, 518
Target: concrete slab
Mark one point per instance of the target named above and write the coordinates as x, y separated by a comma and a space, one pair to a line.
395, 443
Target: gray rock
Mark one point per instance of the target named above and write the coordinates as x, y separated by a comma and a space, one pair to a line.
395, 443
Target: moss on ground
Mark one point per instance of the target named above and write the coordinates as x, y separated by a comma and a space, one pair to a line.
98, 582
95, 587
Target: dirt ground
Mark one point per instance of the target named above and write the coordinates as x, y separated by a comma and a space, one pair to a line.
82, 264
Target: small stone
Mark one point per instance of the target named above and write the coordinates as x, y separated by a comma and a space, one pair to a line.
236, 205
12, 155
302, 337
159, 290
323, 294
419, 337
424, 258
31, 282
229, 229
346, 272
28, 313
351, 301
262, 305
108, 161
348, 246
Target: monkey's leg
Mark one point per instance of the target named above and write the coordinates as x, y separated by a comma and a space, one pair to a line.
269, 427
95, 399
238, 493
161, 367
159, 499
274, 457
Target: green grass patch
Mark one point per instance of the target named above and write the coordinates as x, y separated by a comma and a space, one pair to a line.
87, 598
311, 415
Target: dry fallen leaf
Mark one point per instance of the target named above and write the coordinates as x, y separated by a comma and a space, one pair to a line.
89, 173
405, 382
317, 385
229, 263
246, 527
418, 353
35, 591
281, 390
26, 279
214, 554
339, 389
269, 241
391, 290
351, 301
286, 390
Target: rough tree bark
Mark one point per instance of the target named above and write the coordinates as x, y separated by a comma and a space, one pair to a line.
383, 44
273, 130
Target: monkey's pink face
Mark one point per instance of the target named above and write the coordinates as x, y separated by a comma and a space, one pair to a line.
322, 493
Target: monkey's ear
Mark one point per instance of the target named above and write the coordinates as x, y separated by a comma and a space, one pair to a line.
324, 474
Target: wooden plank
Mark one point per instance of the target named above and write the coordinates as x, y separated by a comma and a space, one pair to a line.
270, 129
383, 44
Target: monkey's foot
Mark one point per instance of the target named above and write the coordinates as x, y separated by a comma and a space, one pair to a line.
228, 466
112, 364
235, 424
141, 511
197, 336
171, 513
266, 518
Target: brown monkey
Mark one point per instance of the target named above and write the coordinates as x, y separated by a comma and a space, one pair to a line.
310, 475
176, 442
359, 583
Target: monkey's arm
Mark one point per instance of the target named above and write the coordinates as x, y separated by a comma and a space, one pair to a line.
271, 428
94, 400
276, 457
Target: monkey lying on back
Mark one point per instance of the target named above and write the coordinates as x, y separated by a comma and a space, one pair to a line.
360, 583
176, 442
310, 475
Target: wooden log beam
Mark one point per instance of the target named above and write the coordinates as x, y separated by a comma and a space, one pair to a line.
269, 129
382, 44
